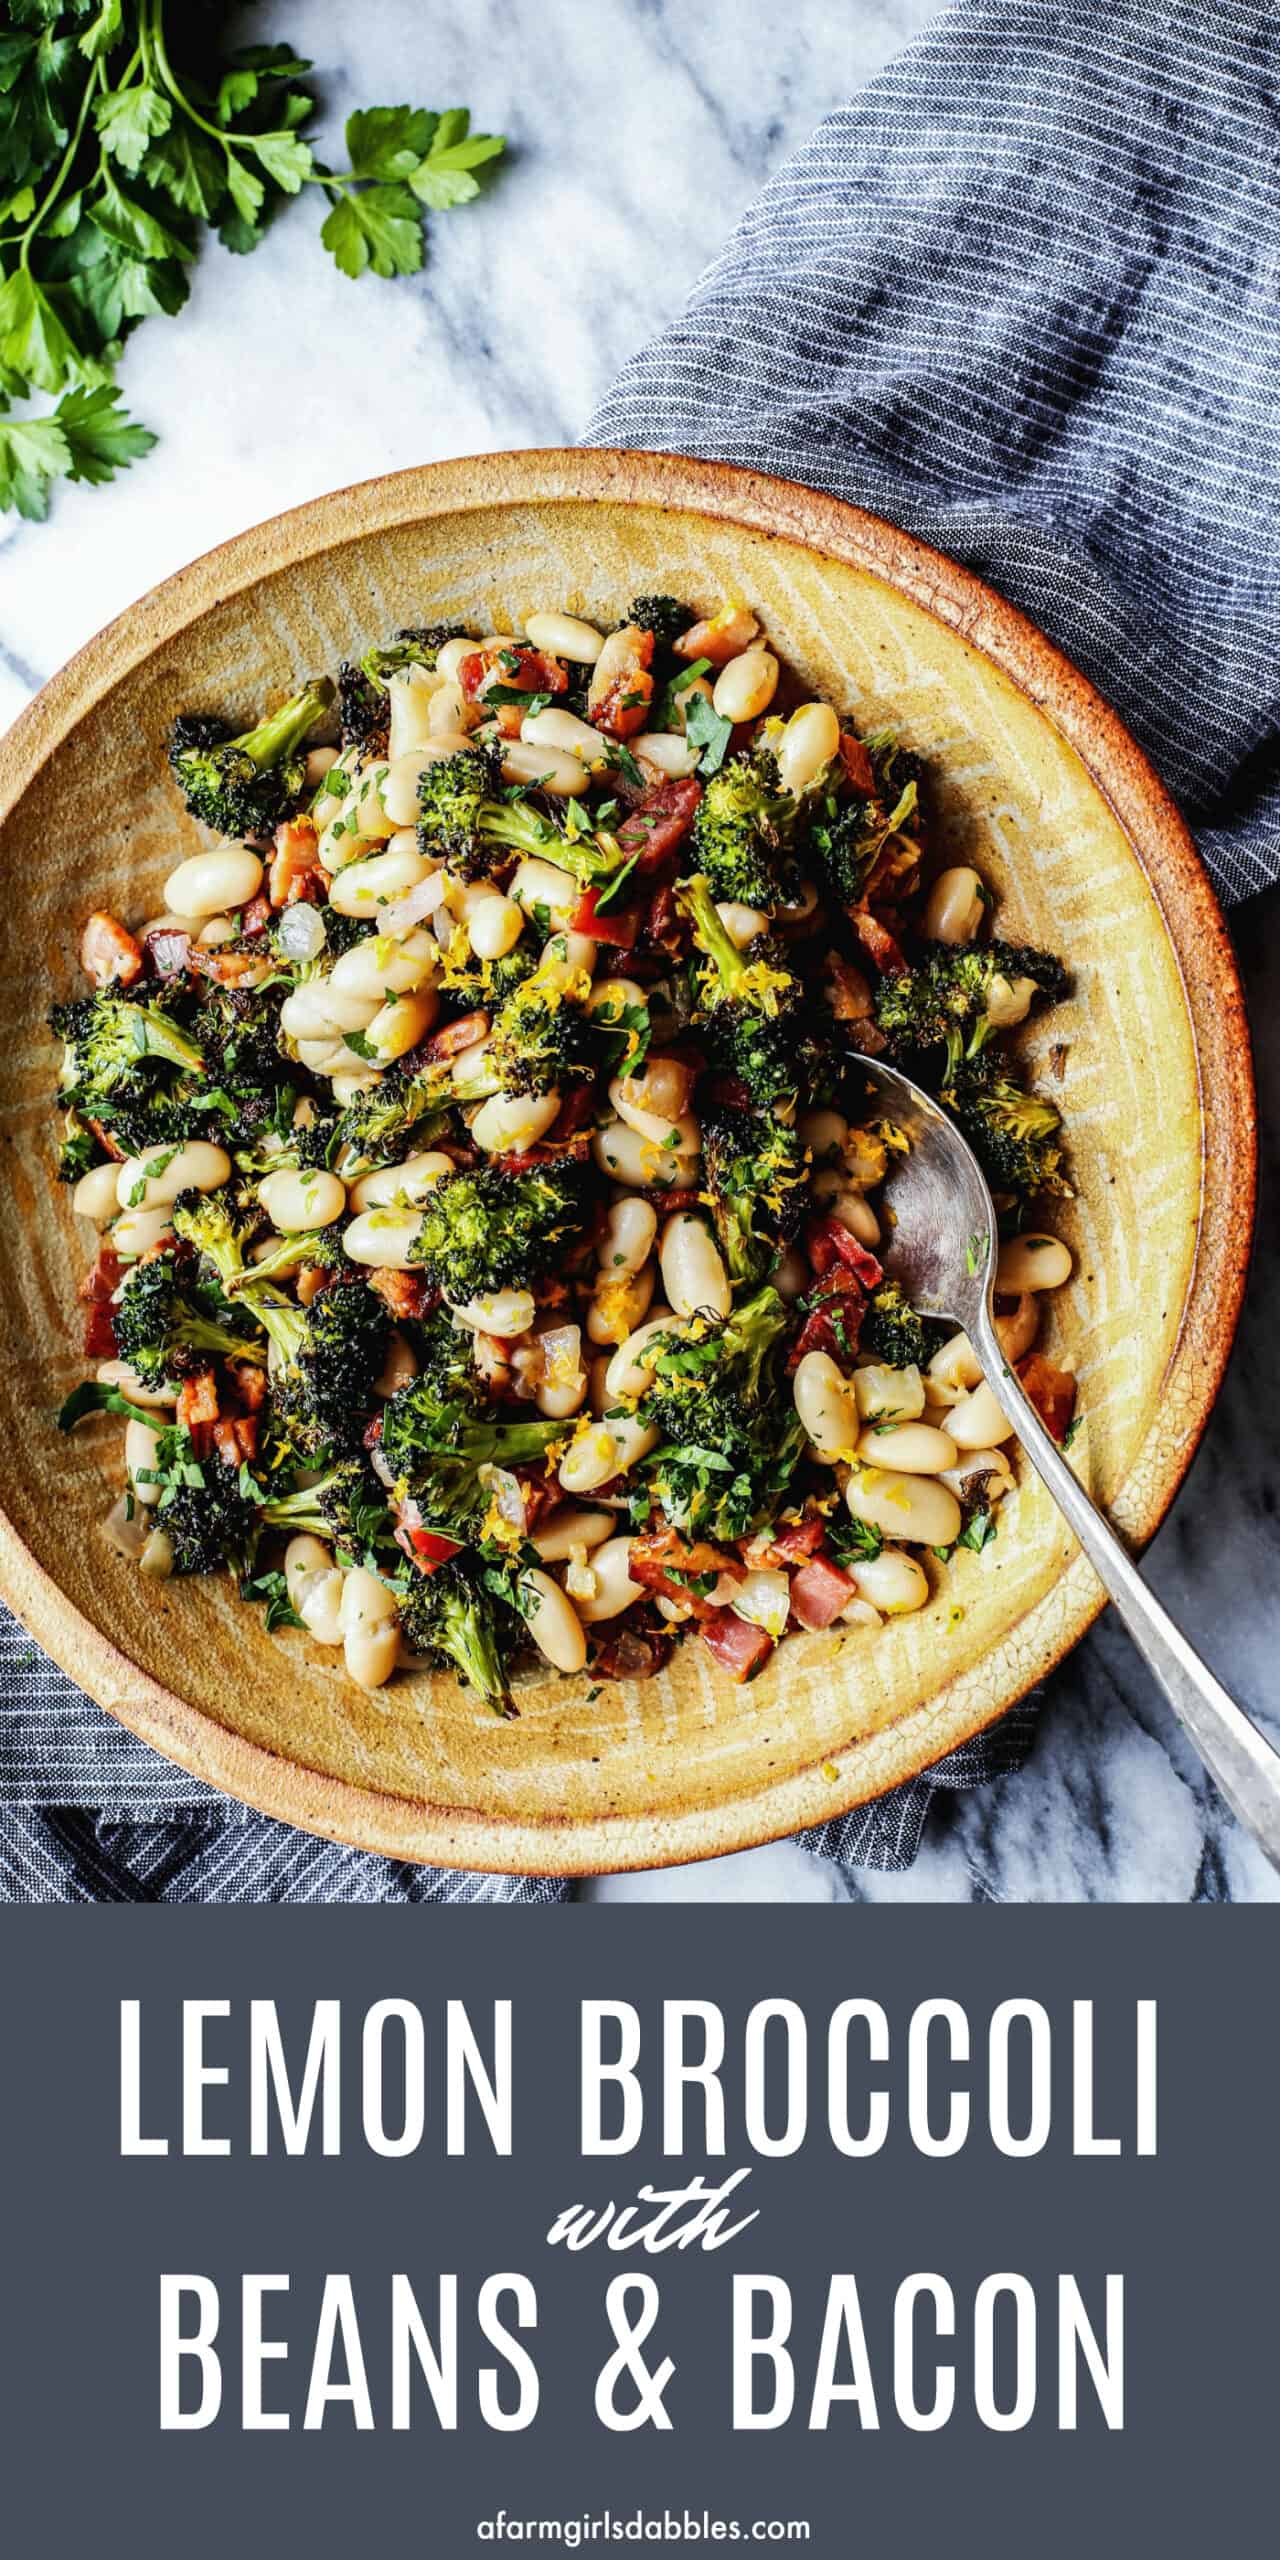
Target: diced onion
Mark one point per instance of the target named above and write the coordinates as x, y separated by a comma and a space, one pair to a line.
301, 931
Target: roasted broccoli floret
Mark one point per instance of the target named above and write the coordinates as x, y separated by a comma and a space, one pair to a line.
664, 616
465, 816
319, 1249
743, 831
730, 1444
207, 1517
378, 1125
347, 1505
108, 1036
750, 1000
466, 983
1016, 1136
237, 1031
755, 1170
892, 1331
243, 786
445, 1452
446, 1361
168, 1321
454, 1621
220, 1230
959, 999
327, 1357
851, 834
540, 1037
490, 1230
362, 689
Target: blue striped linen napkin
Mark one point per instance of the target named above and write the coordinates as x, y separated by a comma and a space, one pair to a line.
1020, 296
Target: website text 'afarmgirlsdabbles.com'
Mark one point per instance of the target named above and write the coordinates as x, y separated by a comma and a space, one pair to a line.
574, 2533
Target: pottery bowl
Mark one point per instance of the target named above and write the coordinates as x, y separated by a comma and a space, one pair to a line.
1037, 783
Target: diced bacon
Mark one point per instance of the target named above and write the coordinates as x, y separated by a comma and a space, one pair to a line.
621, 689
372, 1435
670, 1198
109, 954
740, 1649
168, 950
1052, 1391
820, 1591
255, 918
631, 1653
236, 1438
799, 1539
407, 1293
102, 1280
663, 1563
729, 1093
229, 965
660, 822
453, 1037
827, 1243
877, 942
524, 670
312, 1280
724, 636
198, 1409
850, 994
248, 1385
857, 764
662, 927
99, 1333
837, 1307
294, 857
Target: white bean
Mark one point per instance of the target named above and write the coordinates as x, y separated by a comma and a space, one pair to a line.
219, 929
449, 658
156, 1559
366, 1601
954, 1370
324, 1057
349, 1081
667, 751
320, 761
378, 877
157, 1176
95, 1196
661, 1089
400, 1025
141, 1445
990, 1465
381, 1238
296, 1201
655, 1127
630, 1371
628, 1240
824, 1400
742, 924
411, 692
614, 1589
385, 964
207, 882
552, 770
746, 686
563, 636
513, 1120
371, 1653
637, 1162
693, 1273
566, 1529
494, 927
544, 884
892, 1581
613, 997
562, 1381
911, 1448
394, 1185
604, 1451
400, 788
117, 1373
916, 1508
1033, 1262
136, 1230
882, 1393
791, 1279
1017, 1329
304, 1555
552, 1621
808, 742
398, 1368
319, 1011
1009, 1000
565, 733
620, 1300
824, 1133
977, 1421
505, 1312
955, 906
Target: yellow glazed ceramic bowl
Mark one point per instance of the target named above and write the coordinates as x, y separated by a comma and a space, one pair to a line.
1039, 785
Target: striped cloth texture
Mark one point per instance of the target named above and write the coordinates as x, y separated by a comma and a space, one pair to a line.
1021, 297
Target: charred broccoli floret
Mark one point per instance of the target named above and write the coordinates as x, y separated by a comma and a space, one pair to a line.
959, 999
244, 786
446, 1361
755, 1170
327, 1357
168, 1321
362, 689
108, 1036
454, 1621
378, 1125
730, 1445
466, 816
540, 1037
666, 618
488, 1230
892, 1331
466, 983
237, 1032
1015, 1135
206, 1516
446, 1452
743, 831
219, 1229
347, 1505
750, 1000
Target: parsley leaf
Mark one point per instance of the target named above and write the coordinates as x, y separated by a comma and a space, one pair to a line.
444, 177
100, 439
380, 227
705, 728
388, 142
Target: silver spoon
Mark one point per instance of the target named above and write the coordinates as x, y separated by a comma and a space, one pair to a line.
942, 1248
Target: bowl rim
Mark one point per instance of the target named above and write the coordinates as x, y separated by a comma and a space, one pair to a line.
410, 1828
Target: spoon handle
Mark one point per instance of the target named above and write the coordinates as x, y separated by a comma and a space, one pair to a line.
1237, 1756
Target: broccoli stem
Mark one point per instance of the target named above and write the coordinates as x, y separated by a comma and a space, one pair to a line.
695, 897
462, 1631
277, 735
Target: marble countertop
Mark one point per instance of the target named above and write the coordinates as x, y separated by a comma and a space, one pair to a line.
634, 133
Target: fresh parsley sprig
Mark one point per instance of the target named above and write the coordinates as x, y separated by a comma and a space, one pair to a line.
127, 126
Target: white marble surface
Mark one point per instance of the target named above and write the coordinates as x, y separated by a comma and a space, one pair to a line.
640, 129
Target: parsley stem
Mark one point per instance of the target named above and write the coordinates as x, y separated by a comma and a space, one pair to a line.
95, 81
